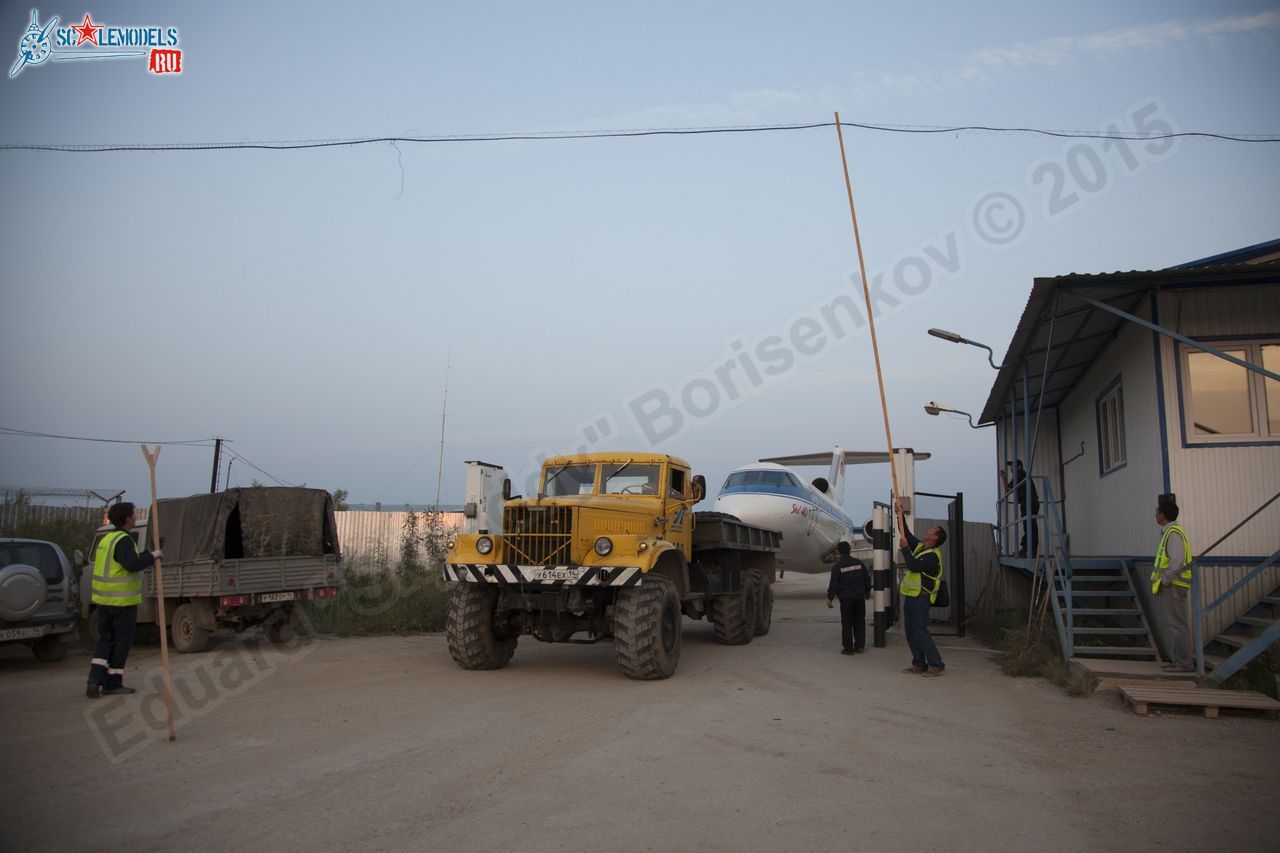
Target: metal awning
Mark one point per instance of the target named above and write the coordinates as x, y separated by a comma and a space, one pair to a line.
1061, 333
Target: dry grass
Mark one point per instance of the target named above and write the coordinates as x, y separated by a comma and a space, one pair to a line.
1037, 657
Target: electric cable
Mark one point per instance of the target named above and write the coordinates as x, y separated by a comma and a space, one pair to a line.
294, 145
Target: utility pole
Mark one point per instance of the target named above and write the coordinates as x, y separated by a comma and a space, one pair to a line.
443, 409
217, 454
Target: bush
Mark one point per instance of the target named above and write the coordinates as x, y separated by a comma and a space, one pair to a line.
376, 599
1259, 675
74, 530
1041, 657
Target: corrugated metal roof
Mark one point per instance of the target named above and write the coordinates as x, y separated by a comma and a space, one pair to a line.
1065, 335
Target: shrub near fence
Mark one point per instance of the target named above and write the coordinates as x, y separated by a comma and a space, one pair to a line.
392, 591
70, 527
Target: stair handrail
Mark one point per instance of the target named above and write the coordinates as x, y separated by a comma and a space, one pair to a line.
1057, 542
1198, 611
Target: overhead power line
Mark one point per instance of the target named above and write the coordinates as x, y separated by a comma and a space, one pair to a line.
195, 442
266, 474
294, 145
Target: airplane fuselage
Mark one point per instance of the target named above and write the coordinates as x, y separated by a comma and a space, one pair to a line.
772, 496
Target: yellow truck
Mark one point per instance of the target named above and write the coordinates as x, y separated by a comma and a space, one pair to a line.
609, 548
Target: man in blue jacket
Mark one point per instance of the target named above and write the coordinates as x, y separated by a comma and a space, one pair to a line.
849, 584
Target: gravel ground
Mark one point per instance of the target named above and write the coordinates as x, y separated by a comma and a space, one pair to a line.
382, 743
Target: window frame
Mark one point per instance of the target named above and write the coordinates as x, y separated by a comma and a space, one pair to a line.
1109, 463
1261, 434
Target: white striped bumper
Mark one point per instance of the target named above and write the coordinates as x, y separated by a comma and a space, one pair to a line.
505, 573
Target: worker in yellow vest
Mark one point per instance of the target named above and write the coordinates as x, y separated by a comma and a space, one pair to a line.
919, 589
1171, 581
116, 593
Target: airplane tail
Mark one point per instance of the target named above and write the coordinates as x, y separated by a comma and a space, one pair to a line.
836, 477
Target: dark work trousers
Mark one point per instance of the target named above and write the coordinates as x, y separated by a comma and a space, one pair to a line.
115, 638
915, 615
1030, 530
853, 623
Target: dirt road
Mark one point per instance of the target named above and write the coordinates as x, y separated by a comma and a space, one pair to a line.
780, 745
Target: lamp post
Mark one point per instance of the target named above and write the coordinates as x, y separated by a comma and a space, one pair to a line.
952, 337
935, 409
1011, 437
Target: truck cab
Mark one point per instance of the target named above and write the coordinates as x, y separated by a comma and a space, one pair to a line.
609, 547
596, 511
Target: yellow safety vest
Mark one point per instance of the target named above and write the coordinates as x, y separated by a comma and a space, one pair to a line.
911, 581
1162, 560
113, 586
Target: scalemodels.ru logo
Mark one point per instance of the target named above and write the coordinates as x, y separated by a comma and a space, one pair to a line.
88, 40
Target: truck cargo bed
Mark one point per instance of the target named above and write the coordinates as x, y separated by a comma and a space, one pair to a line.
250, 575
716, 530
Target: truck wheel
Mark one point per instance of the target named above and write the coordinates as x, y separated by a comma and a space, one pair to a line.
49, 648
278, 629
475, 641
734, 616
187, 635
764, 604
647, 629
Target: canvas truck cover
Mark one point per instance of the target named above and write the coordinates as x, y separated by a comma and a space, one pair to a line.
248, 523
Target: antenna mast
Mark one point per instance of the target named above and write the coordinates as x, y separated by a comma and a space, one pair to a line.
443, 412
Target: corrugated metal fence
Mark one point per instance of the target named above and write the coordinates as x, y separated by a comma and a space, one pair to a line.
14, 515
377, 535
988, 587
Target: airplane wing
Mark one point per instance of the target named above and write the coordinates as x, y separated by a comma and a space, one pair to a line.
851, 457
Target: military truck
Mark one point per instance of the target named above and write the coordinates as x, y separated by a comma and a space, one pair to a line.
609, 548
235, 559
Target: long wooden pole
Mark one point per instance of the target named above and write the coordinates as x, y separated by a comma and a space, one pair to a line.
153, 522
871, 318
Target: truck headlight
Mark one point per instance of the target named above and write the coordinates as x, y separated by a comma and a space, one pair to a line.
484, 545
604, 547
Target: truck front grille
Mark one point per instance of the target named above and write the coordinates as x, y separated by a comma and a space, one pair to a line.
537, 536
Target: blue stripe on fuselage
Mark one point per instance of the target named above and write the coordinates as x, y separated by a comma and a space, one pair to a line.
803, 495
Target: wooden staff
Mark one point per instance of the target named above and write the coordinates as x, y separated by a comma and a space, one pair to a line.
871, 319
153, 521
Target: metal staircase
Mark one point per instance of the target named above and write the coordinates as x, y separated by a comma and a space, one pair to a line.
1095, 604
1252, 633
1099, 611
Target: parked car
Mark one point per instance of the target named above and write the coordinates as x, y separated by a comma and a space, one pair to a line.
39, 596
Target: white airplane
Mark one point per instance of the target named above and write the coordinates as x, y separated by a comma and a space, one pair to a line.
811, 517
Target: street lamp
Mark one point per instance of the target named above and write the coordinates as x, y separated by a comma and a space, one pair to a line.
935, 409
952, 337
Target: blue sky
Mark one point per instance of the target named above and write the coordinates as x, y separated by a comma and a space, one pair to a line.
303, 304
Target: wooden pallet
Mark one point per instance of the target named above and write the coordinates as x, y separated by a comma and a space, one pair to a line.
1211, 701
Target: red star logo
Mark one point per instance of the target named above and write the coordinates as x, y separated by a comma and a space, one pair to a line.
87, 32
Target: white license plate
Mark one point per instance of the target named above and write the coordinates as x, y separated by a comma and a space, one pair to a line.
277, 596
555, 574
22, 633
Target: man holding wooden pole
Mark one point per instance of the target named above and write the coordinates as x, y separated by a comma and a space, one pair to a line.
919, 590
116, 593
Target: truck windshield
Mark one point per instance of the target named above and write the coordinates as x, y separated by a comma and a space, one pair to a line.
634, 480
572, 480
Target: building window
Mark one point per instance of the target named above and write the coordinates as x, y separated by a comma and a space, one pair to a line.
1111, 442
1225, 403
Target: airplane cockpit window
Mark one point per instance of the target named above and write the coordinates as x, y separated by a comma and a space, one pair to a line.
774, 479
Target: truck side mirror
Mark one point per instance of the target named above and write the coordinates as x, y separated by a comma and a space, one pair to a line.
506, 489
79, 557
699, 487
